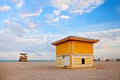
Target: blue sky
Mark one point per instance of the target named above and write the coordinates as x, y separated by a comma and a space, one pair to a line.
31, 25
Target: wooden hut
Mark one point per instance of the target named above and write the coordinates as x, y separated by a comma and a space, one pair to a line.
74, 52
23, 57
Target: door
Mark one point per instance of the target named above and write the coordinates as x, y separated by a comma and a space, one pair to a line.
66, 61
83, 61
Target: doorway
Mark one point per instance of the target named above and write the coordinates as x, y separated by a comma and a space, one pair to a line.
83, 61
66, 61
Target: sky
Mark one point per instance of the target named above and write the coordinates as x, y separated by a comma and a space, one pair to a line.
32, 25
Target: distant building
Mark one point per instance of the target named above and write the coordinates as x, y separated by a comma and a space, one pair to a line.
74, 52
103, 59
118, 59
23, 57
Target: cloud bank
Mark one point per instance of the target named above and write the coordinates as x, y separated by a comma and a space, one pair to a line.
18, 3
31, 14
4, 8
41, 44
76, 6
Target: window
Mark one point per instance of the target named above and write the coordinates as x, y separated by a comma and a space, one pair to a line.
83, 61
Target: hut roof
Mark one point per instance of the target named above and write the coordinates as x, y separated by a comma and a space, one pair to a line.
23, 54
75, 38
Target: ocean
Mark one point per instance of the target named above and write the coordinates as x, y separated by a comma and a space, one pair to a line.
27, 61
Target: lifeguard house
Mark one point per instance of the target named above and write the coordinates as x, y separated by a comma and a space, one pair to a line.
74, 52
23, 57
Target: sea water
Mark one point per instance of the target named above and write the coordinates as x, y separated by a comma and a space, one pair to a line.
27, 61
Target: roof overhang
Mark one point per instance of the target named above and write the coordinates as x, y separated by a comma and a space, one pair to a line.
74, 38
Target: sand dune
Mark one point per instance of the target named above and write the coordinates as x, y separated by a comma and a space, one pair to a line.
48, 71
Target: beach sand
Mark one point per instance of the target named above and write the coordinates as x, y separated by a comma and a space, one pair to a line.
48, 71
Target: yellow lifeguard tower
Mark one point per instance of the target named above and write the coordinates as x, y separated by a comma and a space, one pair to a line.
74, 52
23, 57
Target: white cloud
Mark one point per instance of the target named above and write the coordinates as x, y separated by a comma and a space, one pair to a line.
31, 14
19, 3
60, 17
71, 7
9, 55
51, 18
76, 6
56, 12
9, 42
64, 17
38, 44
7, 21
4, 8
60, 4
64, 7
41, 56
110, 34
14, 27
56, 19
30, 23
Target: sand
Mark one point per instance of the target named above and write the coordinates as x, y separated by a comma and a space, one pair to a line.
48, 71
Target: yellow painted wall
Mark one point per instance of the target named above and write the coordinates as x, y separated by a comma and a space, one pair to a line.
78, 48
71, 51
78, 62
62, 48
59, 61
87, 60
83, 47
